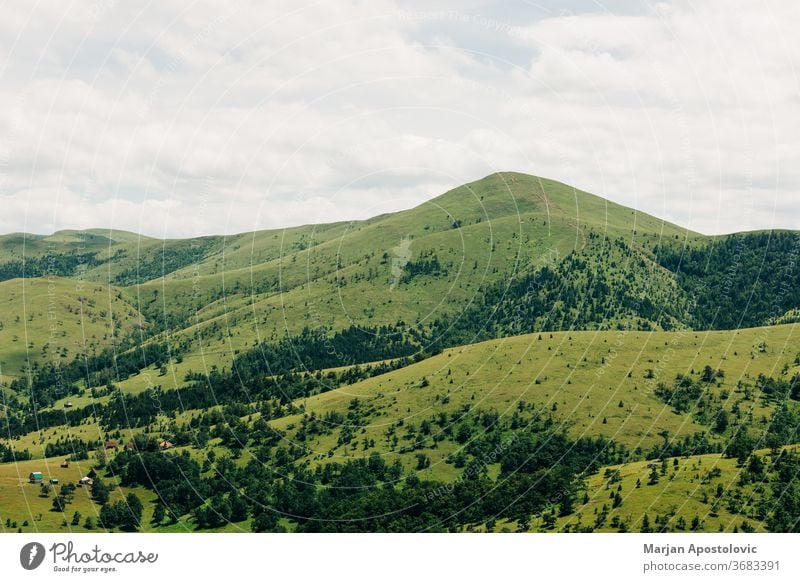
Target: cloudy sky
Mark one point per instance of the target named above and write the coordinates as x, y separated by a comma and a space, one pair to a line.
188, 118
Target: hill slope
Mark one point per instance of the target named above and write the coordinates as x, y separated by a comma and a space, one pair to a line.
58, 320
491, 359
504, 255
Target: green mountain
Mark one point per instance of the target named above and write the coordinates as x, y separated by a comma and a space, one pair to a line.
514, 340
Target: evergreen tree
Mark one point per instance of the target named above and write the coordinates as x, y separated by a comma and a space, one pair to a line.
59, 503
238, 507
100, 491
130, 512
266, 521
653, 479
158, 514
109, 516
721, 422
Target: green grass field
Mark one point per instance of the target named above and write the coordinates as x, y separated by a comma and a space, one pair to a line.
58, 319
582, 377
22, 504
259, 286
595, 383
212, 299
689, 488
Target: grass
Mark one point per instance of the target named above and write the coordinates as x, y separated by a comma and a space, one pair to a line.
222, 295
227, 293
562, 373
55, 320
687, 490
20, 501
268, 283
35, 442
579, 377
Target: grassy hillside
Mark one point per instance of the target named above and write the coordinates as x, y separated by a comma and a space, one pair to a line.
435, 419
595, 383
215, 297
414, 266
514, 354
24, 508
695, 493
58, 319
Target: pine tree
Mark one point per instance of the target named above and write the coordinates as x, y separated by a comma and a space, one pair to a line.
59, 503
653, 479
239, 507
100, 492
617, 500
130, 512
158, 514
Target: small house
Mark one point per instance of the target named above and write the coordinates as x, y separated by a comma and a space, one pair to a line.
86, 481
68, 404
165, 445
65, 464
35, 477
130, 447
111, 444
54, 481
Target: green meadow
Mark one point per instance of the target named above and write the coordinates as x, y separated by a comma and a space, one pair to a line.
513, 355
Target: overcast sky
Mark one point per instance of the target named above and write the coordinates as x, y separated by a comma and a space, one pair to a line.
189, 118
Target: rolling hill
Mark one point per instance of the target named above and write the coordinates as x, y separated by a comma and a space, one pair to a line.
58, 319
491, 359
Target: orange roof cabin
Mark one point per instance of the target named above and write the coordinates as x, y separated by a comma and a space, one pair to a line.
111, 444
165, 445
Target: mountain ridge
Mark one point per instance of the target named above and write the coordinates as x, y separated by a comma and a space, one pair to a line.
343, 375
469, 246
507, 177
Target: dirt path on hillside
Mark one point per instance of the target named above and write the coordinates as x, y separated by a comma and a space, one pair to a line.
580, 232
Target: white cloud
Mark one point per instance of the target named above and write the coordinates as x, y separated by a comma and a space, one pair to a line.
183, 119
